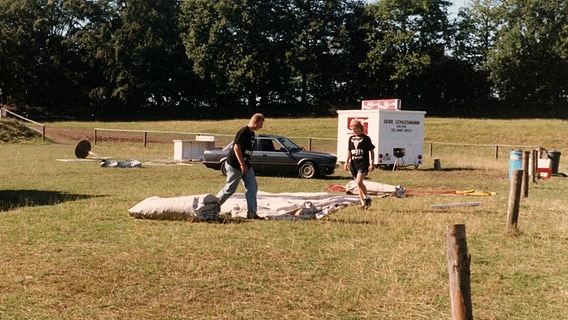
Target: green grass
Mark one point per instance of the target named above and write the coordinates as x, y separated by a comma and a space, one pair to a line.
69, 249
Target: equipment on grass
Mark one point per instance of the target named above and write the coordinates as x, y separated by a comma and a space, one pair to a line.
83, 149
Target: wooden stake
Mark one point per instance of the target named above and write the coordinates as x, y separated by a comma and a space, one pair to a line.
459, 273
534, 164
525, 182
514, 200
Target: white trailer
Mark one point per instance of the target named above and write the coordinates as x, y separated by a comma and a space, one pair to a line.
397, 135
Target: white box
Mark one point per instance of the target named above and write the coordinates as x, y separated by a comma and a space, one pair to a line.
205, 138
388, 129
185, 150
544, 163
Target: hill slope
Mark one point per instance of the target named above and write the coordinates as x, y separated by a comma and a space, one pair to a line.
12, 132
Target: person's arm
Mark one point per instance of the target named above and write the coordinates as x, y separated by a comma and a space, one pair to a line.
372, 158
346, 164
239, 155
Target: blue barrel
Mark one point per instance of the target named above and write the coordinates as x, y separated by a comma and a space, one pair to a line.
516, 162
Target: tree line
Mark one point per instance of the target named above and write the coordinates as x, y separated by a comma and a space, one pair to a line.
193, 59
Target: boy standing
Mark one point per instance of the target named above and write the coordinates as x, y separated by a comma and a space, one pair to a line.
360, 159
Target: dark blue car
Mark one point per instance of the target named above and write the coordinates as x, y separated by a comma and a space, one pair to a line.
278, 156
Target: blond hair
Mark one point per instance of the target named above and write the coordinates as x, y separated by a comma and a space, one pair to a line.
257, 117
356, 122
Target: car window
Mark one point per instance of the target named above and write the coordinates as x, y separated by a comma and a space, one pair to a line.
268, 145
289, 144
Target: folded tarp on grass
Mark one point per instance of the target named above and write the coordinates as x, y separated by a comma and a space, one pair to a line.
198, 207
373, 188
273, 206
289, 206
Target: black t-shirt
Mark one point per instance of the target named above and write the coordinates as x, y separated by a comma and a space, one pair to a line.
244, 138
359, 146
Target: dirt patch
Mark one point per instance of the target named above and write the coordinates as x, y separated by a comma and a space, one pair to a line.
67, 136
72, 136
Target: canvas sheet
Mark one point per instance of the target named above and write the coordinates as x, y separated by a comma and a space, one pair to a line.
273, 206
289, 206
197, 207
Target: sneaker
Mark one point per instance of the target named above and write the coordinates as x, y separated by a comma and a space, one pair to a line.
367, 203
254, 216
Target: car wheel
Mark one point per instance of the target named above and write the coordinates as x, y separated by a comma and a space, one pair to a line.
308, 170
223, 169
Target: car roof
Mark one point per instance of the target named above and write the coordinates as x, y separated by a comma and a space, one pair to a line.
269, 136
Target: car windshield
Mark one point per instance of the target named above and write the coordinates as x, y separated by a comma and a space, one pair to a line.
228, 147
289, 144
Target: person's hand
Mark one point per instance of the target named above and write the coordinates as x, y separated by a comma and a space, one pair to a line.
371, 167
346, 166
244, 169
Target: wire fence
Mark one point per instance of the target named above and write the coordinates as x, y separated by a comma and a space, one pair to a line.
36, 126
319, 144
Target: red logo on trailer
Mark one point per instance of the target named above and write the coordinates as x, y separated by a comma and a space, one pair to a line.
363, 121
384, 104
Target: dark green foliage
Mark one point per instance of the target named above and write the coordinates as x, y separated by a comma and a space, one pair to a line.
170, 59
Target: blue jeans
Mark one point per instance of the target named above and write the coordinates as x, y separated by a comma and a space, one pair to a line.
234, 175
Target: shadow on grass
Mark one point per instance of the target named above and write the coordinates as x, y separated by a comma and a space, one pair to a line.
12, 199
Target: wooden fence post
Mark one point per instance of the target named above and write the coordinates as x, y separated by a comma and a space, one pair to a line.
459, 273
534, 164
525, 183
514, 200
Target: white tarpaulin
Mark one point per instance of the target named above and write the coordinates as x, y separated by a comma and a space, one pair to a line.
376, 188
289, 206
274, 206
198, 207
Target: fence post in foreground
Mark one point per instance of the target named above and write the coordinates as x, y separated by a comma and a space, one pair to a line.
496, 152
525, 183
514, 200
95, 136
459, 273
145, 137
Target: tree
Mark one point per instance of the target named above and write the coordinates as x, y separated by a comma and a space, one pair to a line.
405, 38
269, 54
35, 62
528, 66
138, 59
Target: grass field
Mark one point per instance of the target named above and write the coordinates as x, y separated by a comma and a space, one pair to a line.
69, 249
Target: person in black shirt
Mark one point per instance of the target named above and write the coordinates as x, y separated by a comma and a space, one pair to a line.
238, 166
360, 159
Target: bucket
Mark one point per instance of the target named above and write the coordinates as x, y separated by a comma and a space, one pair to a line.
515, 162
554, 157
544, 173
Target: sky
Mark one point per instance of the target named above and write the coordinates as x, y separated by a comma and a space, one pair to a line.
452, 10
457, 4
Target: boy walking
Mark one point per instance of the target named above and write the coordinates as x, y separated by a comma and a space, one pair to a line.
360, 159
238, 166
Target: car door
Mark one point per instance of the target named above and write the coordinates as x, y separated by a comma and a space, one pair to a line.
271, 158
